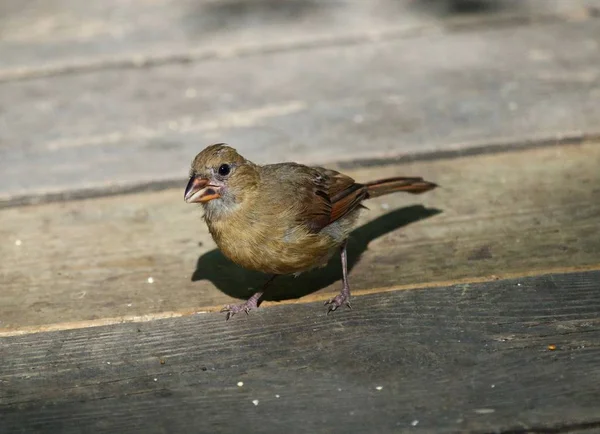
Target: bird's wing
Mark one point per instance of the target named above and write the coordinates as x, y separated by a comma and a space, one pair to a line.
320, 196
345, 195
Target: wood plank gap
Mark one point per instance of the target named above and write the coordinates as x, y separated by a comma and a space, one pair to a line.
373, 36
304, 300
499, 146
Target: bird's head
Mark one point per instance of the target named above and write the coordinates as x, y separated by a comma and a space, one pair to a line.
220, 179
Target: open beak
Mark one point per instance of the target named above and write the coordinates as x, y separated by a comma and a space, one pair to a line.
199, 190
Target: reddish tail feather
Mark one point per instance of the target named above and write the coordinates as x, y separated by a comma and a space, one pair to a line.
391, 185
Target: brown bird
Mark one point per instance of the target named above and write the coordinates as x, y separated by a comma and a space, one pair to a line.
282, 218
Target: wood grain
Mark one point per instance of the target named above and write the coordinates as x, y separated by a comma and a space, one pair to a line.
466, 358
493, 215
112, 128
64, 35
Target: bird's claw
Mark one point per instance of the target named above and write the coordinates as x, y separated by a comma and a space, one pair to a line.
338, 301
232, 309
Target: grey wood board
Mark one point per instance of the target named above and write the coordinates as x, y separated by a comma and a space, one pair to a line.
38, 36
465, 358
429, 93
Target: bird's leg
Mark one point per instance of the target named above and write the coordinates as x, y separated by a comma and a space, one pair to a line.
344, 296
251, 303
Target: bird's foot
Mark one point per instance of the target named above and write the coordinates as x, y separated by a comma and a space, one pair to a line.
232, 309
339, 300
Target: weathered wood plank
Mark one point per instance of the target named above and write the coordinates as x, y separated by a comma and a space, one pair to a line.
466, 358
494, 215
428, 93
63, 34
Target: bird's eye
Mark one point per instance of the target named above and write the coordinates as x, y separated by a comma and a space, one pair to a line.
224, 169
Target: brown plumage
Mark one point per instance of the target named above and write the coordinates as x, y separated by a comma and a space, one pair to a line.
281, 218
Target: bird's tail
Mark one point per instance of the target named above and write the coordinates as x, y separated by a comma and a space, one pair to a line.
391, 185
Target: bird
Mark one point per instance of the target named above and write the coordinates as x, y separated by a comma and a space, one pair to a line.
284, 218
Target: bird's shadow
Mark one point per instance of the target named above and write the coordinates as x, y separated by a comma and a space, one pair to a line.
240, 283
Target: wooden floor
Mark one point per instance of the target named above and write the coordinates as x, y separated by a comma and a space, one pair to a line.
476, 306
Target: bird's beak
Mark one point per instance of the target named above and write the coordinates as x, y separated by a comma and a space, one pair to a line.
199, 190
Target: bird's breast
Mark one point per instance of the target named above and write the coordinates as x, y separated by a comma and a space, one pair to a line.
271, 246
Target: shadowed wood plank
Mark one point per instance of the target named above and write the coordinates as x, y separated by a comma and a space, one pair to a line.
467, 358
106, 129
494, 214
